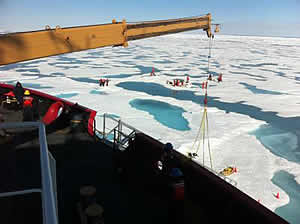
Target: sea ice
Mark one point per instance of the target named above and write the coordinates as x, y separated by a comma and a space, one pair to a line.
266, 162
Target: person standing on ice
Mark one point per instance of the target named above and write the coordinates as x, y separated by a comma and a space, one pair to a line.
187, 79
101, 82
220, 78
152, 73
182, 83
209, 77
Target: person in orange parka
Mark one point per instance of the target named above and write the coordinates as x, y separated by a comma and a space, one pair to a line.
187, 79
220, 78
27, 106
152, 72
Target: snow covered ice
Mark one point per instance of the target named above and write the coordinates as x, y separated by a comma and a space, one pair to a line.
253, 114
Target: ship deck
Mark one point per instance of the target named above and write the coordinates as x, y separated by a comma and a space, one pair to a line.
80, 160
85, 162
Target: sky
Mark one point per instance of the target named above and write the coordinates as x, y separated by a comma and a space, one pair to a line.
238, 17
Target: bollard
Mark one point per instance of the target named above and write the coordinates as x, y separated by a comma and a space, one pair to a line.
94, 214
87, 196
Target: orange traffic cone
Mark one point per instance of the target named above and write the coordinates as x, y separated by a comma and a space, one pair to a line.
277, 195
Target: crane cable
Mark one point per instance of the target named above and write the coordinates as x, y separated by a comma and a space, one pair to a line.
204, 121
205, 118
205, 102
210, 157
201, 136
210, 44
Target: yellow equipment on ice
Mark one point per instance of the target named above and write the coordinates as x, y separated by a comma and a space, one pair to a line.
228, 171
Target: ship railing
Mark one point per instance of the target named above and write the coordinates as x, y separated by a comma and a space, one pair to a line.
115, 131
121, 140
120, 133
48, 173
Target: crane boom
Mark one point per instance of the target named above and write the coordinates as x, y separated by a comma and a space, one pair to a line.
22, 46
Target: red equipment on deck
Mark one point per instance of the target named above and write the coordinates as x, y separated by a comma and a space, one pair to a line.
53, 112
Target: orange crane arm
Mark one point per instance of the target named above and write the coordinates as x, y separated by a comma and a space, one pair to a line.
16, 47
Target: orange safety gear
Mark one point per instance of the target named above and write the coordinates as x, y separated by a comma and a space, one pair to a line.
27, 101
10, 93
220, 78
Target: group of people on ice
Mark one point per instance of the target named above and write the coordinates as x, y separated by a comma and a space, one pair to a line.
184, 83
219, 79
210, 78
179, 82
103, 82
